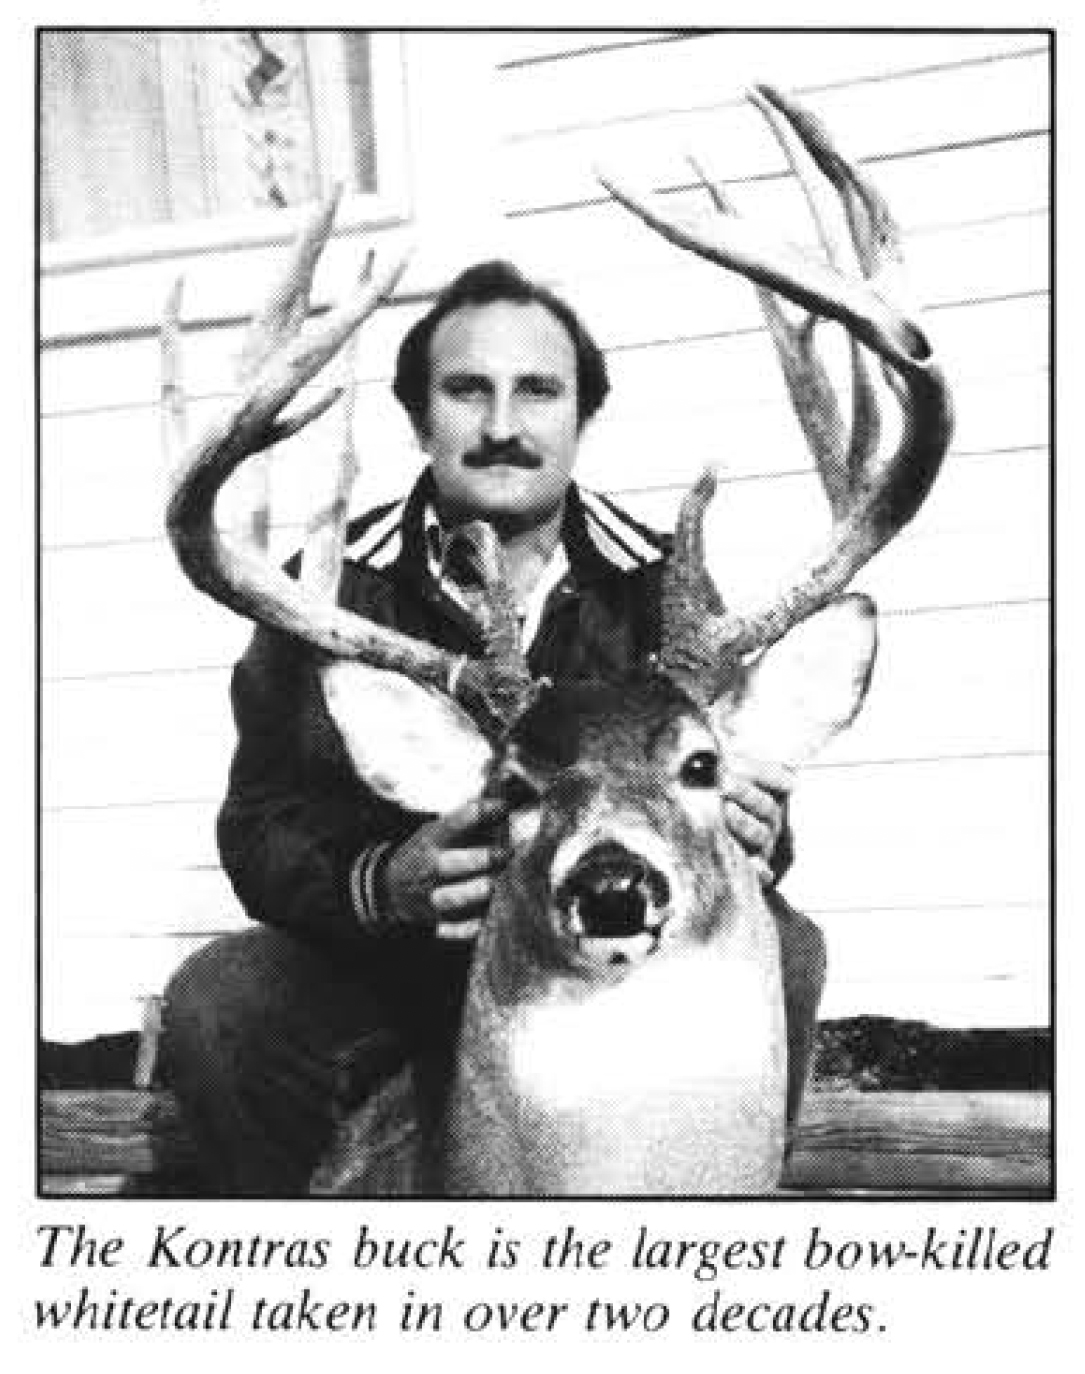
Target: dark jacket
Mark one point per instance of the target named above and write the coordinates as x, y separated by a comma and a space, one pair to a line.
296, 817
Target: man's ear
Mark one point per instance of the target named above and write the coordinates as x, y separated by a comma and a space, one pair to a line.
411, 744
806, 687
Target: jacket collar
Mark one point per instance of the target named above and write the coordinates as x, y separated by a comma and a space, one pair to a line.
600, 540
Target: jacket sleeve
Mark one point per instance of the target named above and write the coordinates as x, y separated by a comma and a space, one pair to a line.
295, 819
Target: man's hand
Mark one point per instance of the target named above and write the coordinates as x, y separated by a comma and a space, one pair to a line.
443, 876
756, 794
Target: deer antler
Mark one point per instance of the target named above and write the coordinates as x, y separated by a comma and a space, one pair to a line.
279, 361
872, 496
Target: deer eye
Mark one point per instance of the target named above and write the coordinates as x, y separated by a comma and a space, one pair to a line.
700, 769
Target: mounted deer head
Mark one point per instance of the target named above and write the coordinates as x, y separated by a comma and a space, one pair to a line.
624, 1026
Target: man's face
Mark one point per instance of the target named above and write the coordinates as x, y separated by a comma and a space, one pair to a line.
502, 429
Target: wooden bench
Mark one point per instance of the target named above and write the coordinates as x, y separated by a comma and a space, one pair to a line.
117, 1141
853, 1140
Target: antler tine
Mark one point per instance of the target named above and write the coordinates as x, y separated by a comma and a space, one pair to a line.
883, 494
325, 542
813, 397
874, 233
174, 408
812, 394
254, 586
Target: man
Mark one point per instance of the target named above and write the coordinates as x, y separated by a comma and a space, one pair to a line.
366, 913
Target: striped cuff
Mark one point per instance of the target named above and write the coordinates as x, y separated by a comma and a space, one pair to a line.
363, 886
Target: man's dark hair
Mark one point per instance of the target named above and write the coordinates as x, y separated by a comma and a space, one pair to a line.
485, 284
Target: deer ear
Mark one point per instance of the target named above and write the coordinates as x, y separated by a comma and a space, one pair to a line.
411, 744
806, 687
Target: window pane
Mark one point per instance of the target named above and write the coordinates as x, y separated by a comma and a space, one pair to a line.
175, 126
103, 157
360, 95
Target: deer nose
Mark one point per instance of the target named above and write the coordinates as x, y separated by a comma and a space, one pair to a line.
612, 892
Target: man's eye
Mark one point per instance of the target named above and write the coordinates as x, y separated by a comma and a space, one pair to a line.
701, 769
545, 388
463, 388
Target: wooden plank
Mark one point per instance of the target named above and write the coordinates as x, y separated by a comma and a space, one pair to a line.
97, 986
934, 190
887, 858
923, 834
102, 480
123, 368
963, 681
983, 340
520, 47
923, 1142
643, 81
683, 297
892, 1142
949, 264
979, 963
955, 554
1002, 415
155, 839
727, 386
930, 109
930, 189
118, 1131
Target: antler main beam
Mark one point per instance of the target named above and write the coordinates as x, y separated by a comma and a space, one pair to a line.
873, 496
278, 360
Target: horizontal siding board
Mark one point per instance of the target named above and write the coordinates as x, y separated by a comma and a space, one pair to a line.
874, 120
757, 438
551, 48
1016, 1000
222, 289
138, 902
933, 190
155, 841
922, 834
688, 298
124, 606
93, 986
982, 538
959, 681
645, 81
125, 369
944, 802
681, 297
104, 480
103, 484
983, 341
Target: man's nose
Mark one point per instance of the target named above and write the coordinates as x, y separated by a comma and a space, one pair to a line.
501, 422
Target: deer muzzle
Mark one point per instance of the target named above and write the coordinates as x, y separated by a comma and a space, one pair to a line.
613, 903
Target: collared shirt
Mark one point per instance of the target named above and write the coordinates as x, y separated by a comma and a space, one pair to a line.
530, 609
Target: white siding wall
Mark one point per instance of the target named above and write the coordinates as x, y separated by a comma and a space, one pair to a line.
923, 834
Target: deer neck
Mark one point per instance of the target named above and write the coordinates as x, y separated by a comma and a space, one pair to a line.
670, 1079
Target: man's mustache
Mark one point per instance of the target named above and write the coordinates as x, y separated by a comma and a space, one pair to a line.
507, 453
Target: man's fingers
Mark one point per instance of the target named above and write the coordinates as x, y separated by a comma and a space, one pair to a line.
461, 897
754, 799
459, 930
471, 862
764, 773
755, 836
471, 817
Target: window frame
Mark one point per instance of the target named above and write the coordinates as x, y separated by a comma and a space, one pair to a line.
385, 208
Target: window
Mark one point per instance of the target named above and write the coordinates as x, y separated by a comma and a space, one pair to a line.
156, 141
